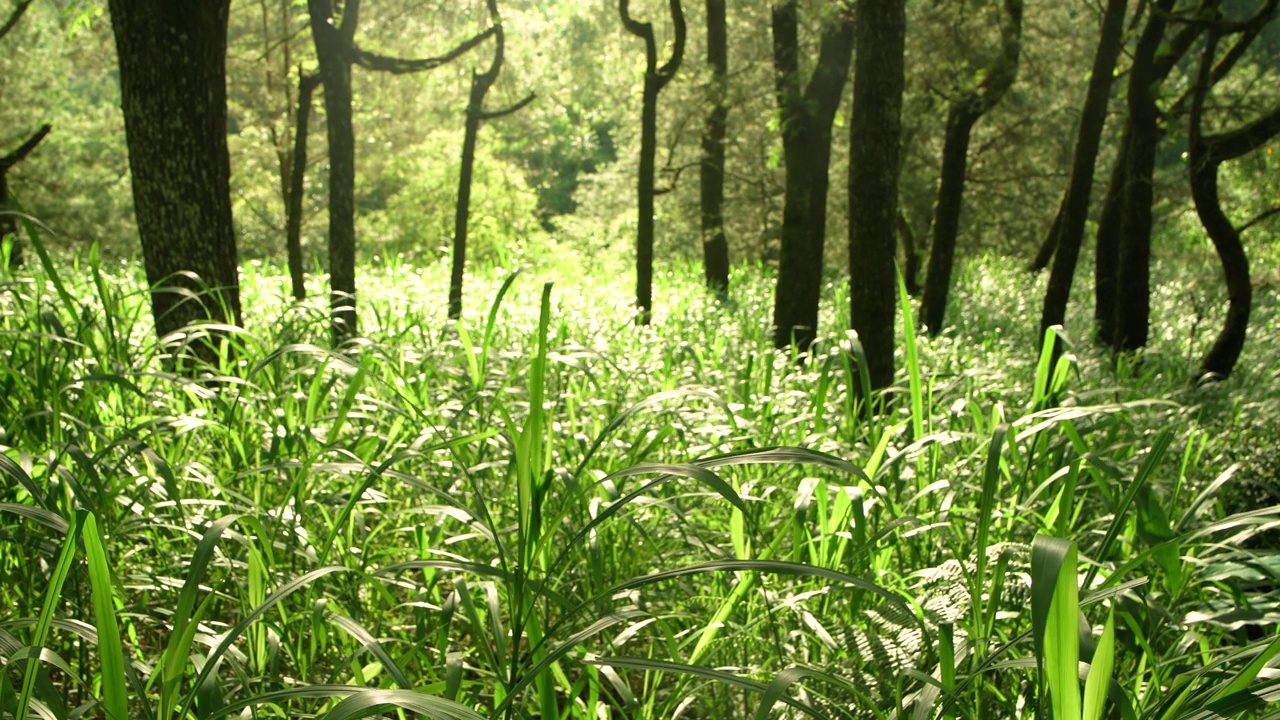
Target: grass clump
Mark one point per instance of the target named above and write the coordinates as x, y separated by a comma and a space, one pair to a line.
544, 511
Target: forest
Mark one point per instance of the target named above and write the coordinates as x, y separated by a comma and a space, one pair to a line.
639, 359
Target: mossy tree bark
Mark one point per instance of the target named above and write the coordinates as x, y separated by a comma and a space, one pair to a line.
172, 61
874, 144
808, 112
715, 246
655, 79
961, 117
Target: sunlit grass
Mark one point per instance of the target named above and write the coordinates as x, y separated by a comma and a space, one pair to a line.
547, 511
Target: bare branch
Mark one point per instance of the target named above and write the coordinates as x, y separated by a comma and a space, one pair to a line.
1273, 211
510, 109
401, 66
14, 17
16, 156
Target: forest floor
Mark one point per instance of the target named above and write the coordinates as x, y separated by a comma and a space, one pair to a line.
692, 525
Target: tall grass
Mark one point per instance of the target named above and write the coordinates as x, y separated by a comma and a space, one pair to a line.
544, 511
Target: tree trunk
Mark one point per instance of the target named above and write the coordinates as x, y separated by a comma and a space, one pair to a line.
1074, 213
1207, 153
655, 79
946, 215
715, 246
297, 174
909, 251
955, 157
333, 54
807, 117
1107, 261
874, 137
172, 61
479, 86
1044, 255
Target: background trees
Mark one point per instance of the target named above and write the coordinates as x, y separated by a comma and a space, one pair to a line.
554, 186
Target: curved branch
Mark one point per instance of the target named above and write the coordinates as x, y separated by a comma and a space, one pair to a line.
514, 108
401, 66
642, 30
25, 149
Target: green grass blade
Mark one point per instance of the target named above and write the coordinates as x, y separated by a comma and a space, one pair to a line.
372, 702
1055, 603
1099, 678
54, 591
114, 695
914, 384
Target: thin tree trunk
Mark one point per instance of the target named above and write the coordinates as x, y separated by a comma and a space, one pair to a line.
1047, 246
715, 246
172, 62
807, 117
961, 117
874, 143
1207, 153
463, 209
333, 52
1071, 219
1132, 309
1107, 261
946, 219
297, 174
655, 79
910, 252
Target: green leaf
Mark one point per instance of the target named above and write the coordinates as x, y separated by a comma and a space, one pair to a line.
1055, 610
1099, 678
114, 696
371, 702
51, 595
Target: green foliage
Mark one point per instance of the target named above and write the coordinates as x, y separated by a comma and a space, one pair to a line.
542, 510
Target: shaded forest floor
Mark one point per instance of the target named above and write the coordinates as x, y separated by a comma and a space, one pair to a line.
695, 525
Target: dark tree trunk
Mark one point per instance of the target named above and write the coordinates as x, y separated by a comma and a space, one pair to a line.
8, 221
874, 137
961, 117
333, 54
1207, 153
479, 86
172, 60
807, 117
655, 79
297, 173
1133, 298
1067, 232
1107, 261
715, 246
1050, 243
946, 215
476, 114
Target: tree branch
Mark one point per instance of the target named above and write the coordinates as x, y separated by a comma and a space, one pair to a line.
16, 156
14, 17
642, 30
401, 66
510, 109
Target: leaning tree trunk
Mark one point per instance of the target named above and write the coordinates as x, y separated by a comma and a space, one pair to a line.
1206, 154
655, 79
962, 116
715, 246
9, 221
1067, 232
297, 174
333, 51
807, 116
172, 62
874, 137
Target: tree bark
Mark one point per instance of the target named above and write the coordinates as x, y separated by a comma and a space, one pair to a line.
961, 117
715, 246
297, 174
655, 79
874, 145
172, 61
807, 116
1206, 154
8, 221
476, 114
334, 45
1067, 233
